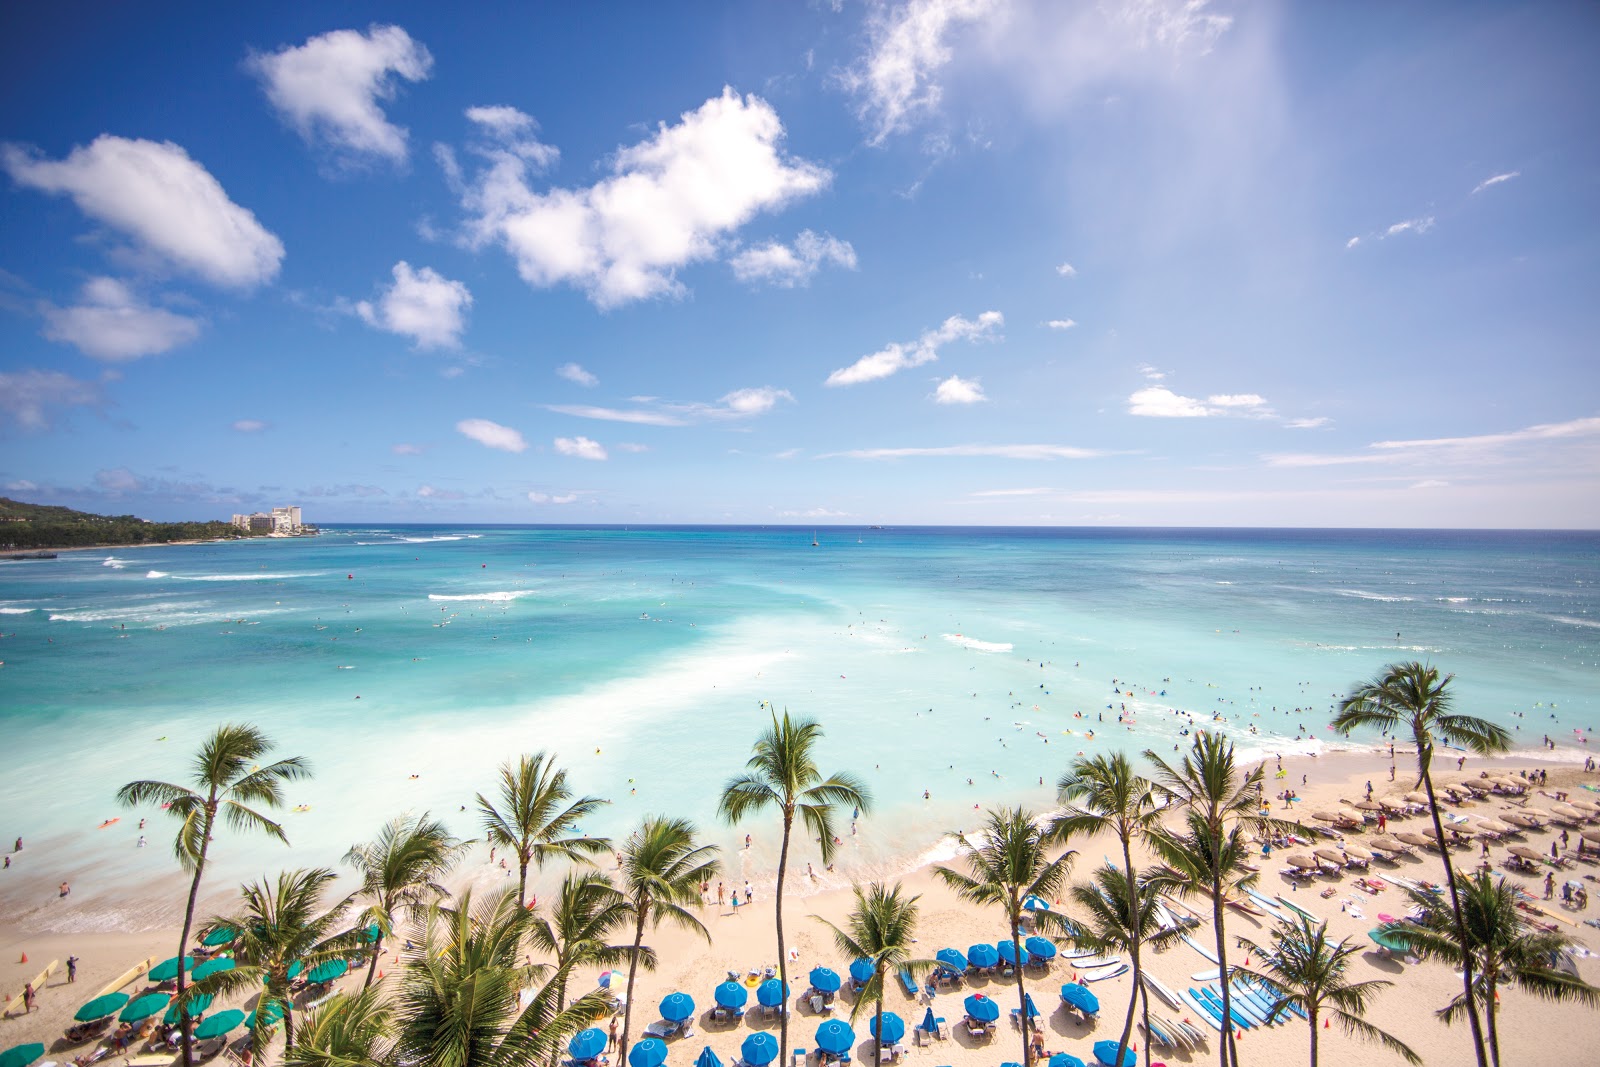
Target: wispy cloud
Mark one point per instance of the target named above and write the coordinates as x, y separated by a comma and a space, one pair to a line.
1029, 491
1419, 225
30, 397
634, 415
739, 404
575, 374
1308, 424
897, 356
110, 323
1157, 401
1031, 452
249, 425
404, 449
1474, 448
786, 267
1067, 270
814, 513
894, 82
536, 497
492, 435
1496, 180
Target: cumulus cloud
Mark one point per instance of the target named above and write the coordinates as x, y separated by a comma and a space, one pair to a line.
166, 202
785, 267
1033, 452
111, 324
897, 357
580, 448
667, 203
550, 498
329, 88
28, 397
574, 373
422, 305
1067, 270
512, 132
745, 402
1158, 401
249, 425
492, 435
1061, 324
1496, 180
958, 390
894, 82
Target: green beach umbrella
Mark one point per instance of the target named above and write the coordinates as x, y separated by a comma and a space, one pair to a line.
100, 1007
211, 967
270, 1017
220, 936
167, 970
1394, 942
370, 934
140, 1010
218, 1024
197, 1004
21, 1055
294, 971
327, 972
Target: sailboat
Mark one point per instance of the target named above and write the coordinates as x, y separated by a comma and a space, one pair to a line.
814, 542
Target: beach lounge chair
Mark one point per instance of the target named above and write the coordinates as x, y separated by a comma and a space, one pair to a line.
909, 983
798, 1058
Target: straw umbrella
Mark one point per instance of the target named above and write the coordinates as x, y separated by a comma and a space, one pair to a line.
1301, 860
1389, 843
1356, 855
1524, 852
1416, 840
1331, 855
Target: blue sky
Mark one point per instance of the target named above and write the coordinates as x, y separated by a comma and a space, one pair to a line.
946, 261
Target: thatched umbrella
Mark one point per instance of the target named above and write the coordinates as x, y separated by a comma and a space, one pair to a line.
1586, 806
1301, 860
1416, 840
1590, 835
1367, 805
1391, 805
1331, 855
1521, 818
1356, 852
1494, 826
1417, 798
1388, 843
1524, 852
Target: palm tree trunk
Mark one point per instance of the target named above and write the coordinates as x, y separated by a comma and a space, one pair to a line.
1312, 1019
188, 924
1230, 1054
1489, 1019
633, 969
877, 1029
1133, 951
522, 881
372, 968
1022, 993
1455, 908
288, 1021
783, 960
1144, 1000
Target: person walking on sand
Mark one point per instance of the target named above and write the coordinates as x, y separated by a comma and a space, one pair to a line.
611, 1038
736, 902
28, 997
1550, 885
1460, 763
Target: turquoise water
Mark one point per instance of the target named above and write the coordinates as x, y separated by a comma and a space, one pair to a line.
643, 657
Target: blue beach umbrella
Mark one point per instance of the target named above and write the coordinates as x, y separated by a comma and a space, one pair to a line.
1080, 997
587, 1044
100, 1007
1036, 903
983, 955
771, 993
211, 967
981, 1008
731, 995
928, 1024
651, 1052
1106, 1053
21, 1055
759, 1049
861, 970
218, 1024
1011, 1063
1008, 952
894, 1028
1042, 947
167, 970
952, 959
1033, 1009
675, 1007
197, 1004
1066, 1059
825, 979
707, 1058
139, 1010
835, 1036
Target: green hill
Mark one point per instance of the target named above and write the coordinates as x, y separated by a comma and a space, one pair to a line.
25, 526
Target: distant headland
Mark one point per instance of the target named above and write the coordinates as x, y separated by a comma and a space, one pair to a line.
25, 528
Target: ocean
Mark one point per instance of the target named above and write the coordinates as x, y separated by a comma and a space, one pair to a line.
406, 662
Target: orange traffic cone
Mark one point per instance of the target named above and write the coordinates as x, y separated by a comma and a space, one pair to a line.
1326, 1023
24, 958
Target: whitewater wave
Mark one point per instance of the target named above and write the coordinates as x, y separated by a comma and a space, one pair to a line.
262, 577
158, 574
512, 595
978, 646
1575, 622
1362, 594
114, 563
16, 611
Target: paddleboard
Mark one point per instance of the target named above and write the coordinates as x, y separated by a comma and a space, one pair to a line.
1096, 962
1151, 982
1291, 905
1240, 1020
1204, 1010
1198, 947
1098, 977
1206, 976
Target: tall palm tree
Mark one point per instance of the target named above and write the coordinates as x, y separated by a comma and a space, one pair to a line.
577, 929
662, 869
457, 1005
226, 779
880, 930
1119, 917
1304, 968
1102, 793
534, 819
1412, 697
348, 1030
1007, 862
1500, 945
401, 870
782, 773
1222, 806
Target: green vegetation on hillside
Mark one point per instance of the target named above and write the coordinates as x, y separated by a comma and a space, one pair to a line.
25, 526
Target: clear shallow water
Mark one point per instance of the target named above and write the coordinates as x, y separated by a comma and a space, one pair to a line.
642, 656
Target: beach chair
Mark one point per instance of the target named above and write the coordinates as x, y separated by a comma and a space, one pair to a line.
798, 1058
909, 983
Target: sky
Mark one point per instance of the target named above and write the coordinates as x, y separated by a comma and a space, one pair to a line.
954, 262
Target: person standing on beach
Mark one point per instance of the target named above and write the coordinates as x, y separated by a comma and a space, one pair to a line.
28, 997
72, 969
720, 897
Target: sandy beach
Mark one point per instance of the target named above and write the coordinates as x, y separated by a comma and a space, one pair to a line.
744, 941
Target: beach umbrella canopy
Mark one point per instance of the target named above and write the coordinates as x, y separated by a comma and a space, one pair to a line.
1524, 852
1332, 855
1042, 947
861, 970
1327, 816
197, 1004
731, 995
1417, 797
835, 1036
1300, 859
825, 979
894, 1028
1414, 839
929, 1023
328, 971
1106, 1053
587, 1044
771, 993
220, 936
1080, 997
139, 1010
218, 1024
1036, 903
1590, 835
21, 1055
981, 1008
1493, 825
295, 967
273, 1013
1008, 951
100, 1007
1387, 842
1384, 939
759, 1048
167, 970
371, 933
1357, 851
707, 1058
1027, 1002
675, 1007
211, 967
952, 958
983, 955
1367, 805
1067, 1059
651, 1052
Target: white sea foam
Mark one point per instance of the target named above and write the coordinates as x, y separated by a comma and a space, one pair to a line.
426, 540
1575, 622
158, 574
114, 563
261, 577
1364, 595
15, 611
976, 645
511, 595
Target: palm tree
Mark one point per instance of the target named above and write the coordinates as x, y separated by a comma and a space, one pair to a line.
348, 1030
1305, 969
457, 1005
401, 870
1008, 863
1101, 793
227, 778
531, 819
1210, 856
1500, 945
586, 911
1412, 696
1119, 917
662, 869
782, 774
880, 931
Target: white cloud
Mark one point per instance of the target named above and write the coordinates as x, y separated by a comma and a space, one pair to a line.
249, 425
22, 485
643, 418
1032, 491
1430, 483
628, 446
110, 323
1417, 225
547, 498
404, 449
1352, 242
958, 390
1307, 424
492, 435
428, 492
1067, 270
1157, 401
580, 447
1473, 449
972, 452
574, 373
814, 513
778, 264
1152, 373
1496, 180
512, 132
27, 396
1061, 324
154, 193
745, 402
422, 305
894, 81
897, 357
739, 404
667, 203
1237, 400
329, 88
118, 480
